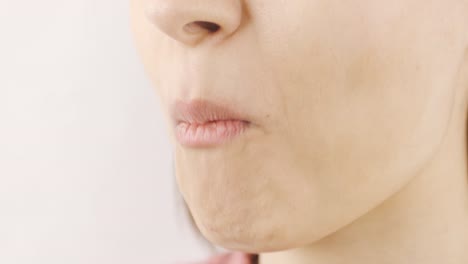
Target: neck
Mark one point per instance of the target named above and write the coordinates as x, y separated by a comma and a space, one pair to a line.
425, 222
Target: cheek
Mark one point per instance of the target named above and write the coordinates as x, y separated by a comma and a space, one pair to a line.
367, 104
372, 86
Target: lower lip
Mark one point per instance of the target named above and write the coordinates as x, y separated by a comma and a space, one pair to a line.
209, 134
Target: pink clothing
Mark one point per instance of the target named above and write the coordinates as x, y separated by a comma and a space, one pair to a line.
229, 258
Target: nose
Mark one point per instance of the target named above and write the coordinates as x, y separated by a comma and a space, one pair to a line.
192, 21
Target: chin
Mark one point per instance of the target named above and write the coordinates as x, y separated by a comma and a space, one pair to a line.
245, 230
241, 237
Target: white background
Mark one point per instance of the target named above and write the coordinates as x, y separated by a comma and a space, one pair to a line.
85, 164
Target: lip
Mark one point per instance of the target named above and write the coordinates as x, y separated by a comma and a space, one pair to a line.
203, 123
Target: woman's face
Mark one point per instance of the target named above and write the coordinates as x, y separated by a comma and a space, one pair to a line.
348, 100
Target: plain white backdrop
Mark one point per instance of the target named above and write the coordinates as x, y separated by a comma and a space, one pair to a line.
85, 163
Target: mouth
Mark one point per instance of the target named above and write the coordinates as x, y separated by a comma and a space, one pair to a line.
202, 123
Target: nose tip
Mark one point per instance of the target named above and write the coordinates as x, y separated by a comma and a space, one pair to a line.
190, 22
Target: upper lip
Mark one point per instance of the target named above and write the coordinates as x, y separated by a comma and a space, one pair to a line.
201, 111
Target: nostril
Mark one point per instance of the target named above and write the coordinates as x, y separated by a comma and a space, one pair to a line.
195, 26
212, 27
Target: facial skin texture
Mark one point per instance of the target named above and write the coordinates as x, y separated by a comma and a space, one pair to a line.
359, 110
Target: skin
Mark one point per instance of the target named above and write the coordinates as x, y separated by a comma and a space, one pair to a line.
358, 149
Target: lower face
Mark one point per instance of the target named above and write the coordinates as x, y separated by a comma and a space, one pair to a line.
351, 101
